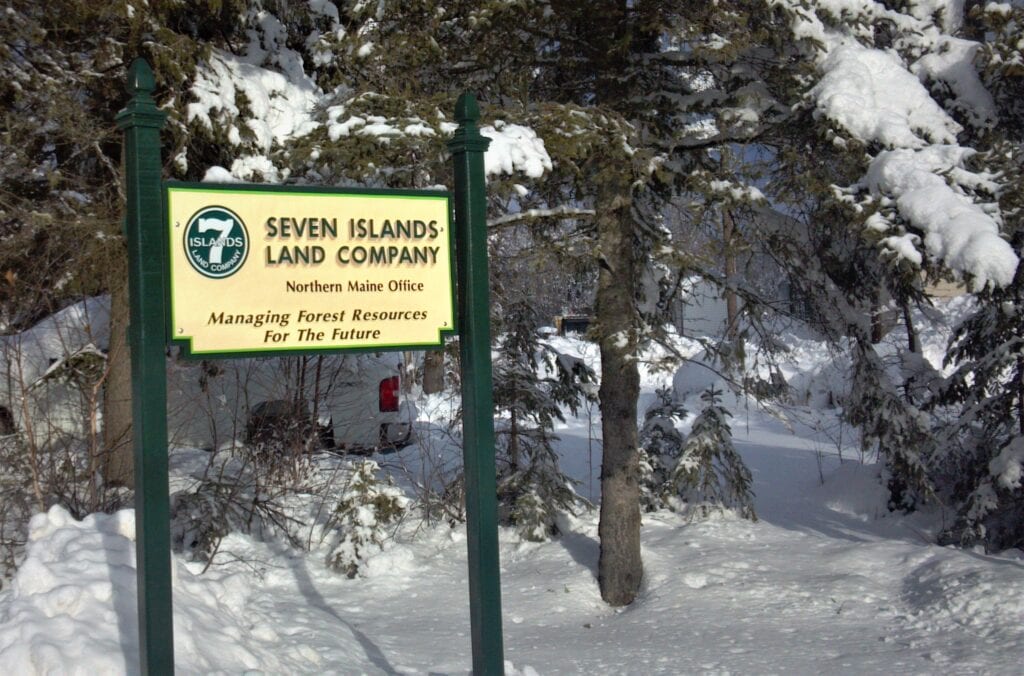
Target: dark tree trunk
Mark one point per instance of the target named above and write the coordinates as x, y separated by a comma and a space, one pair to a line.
732, 311
877, 328
620, 568
913, 345
913, 342
513, 441
606, 36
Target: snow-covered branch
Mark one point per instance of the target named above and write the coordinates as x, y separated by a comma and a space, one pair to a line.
536, 214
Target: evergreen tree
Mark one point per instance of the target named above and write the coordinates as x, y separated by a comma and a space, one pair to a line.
660, 446
891, 204
709, 474
978, 466
62, 70
532, 489
367, 508
661, 96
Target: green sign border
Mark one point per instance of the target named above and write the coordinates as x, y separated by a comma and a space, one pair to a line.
185, 342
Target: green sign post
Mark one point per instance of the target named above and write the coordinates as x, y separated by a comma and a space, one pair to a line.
141, 121
222, 254
468, 148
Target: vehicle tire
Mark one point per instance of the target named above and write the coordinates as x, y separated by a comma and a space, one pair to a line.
6, 422
325, 435
276, 427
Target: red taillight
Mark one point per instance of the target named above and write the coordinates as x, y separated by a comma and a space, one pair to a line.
388, 399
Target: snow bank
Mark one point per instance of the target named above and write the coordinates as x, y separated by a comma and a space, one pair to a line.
68, 598
826, 582
695, 376
962, 595
80, 327
71, 609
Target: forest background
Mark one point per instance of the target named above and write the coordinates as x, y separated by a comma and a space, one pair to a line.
863, 152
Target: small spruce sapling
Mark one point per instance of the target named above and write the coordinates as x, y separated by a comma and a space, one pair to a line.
366, 509
532, 489
660, 446
709, 474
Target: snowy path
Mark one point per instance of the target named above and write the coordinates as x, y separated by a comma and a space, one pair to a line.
828, 594
818, 585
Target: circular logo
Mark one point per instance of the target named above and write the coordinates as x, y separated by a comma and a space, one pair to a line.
216, 242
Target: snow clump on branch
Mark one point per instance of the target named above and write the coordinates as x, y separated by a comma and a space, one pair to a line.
872, 96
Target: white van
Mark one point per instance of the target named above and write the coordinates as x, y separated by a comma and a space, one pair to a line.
354, 400
46, 372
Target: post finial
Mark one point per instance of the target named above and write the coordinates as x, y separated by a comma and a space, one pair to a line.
141, 110
466, 108
467, 137
140, 78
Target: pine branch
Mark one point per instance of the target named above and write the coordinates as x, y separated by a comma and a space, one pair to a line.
537, 214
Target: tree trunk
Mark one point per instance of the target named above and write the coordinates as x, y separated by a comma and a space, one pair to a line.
433, 372
732, 311
1020, 394
118, 459
913, 346
513, 441
877, 328
913, 342
620, 568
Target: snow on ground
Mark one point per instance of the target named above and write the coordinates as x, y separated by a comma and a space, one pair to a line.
827, 581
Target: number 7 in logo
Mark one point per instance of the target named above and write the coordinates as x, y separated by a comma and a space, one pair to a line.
223, 227
214, 246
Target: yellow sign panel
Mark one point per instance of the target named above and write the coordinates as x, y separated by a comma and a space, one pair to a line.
272, 269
